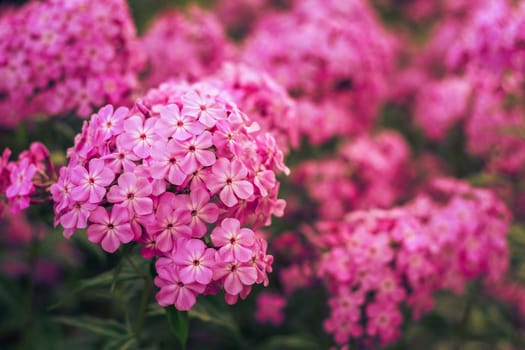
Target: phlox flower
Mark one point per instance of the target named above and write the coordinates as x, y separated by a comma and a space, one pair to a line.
166, 162
204, 108
235, 275
110, 230
61, 190
202, 211
173, 124
89, 184
196, 152
121, 159
132, 193
21, 184
175, 292
230, 179
111, 122
196, 261
76, 217
170, 223
235, 242
139, 135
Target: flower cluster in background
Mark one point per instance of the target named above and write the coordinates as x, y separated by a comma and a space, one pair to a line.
377, 259
401, 127
54, 60
185, 46
342, 78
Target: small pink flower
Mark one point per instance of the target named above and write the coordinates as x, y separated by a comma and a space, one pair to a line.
110, 123
229, 178
225, 139
166, 162
236, 275
133, 193
110, 230
195, 261
139, 135
196, 151
175, 292
76, 217
202, 211
170, 223
21, 177
90, 185
61, 191
235, 242
121, 159
173, 124
205, 108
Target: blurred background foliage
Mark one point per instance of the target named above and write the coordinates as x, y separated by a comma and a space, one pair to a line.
98, 305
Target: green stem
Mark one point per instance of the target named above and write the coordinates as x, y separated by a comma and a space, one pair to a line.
33, 258
142, 308
141, 317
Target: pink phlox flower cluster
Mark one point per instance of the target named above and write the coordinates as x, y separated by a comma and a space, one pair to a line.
376, 260
441, 105
490, 37
55, 59
320, 122
349, 180
346, 64
494, 129
183, 160
474, 62
197, 46
25, 179
263, 99
295, 260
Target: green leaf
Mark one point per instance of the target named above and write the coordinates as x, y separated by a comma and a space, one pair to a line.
124, 343
289, 342
94, 325
179, 324
105, 279
207, 312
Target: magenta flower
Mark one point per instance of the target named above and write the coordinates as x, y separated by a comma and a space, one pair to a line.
229, 178
21, 177
90, 185
121, 159
205, 108
202, 211
236, 275
111, 124
173, 124
76, 217
166, 162
132, 193
195, 261
61, 190
110, 230
170, 223
139, 135
196, 151
235, 242
175, 292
